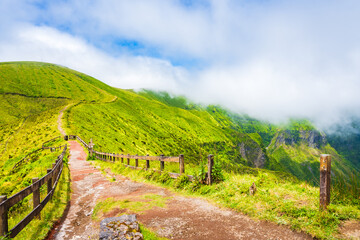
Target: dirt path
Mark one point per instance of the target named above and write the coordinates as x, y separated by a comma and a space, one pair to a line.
180, 218
59, 122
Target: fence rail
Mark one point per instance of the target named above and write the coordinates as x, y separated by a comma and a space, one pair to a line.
51, 178
43, 146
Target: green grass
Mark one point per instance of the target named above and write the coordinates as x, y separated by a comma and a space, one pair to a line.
148, 234
134, 124
134, 205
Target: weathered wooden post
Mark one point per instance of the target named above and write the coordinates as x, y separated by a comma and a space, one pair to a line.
128, 159
36, 196
3, 216
181, 163
49, 183
54, 173
162, 162
325, 180
122, 160
113, 157
91, 147
210, 167
136, 161
147, 162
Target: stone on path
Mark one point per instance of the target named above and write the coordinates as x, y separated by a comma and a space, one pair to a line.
124, 227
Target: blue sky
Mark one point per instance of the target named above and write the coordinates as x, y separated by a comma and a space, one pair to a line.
116, 44
272, 59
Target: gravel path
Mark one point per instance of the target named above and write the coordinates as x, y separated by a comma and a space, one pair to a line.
182, 218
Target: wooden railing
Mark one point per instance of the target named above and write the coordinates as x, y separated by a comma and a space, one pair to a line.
112, 157
51, 178
43, 146
52, 149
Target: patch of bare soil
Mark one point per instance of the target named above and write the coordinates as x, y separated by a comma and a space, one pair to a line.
350, 229
182, 218
192, 218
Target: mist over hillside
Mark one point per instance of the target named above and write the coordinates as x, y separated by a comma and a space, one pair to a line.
151, 122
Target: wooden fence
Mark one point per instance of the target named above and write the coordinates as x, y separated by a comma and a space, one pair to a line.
51, 178
112, 157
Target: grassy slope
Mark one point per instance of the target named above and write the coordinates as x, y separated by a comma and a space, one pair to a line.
156, 123
135, 124
49, 80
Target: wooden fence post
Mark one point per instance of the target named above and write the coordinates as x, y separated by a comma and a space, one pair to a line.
113, 157
162, 165
181, 163
36, 197
147, 162
3, 217
210, 167
54, 173
128, 159
122, 160
49, 183
136, 162
91, 147
325, 180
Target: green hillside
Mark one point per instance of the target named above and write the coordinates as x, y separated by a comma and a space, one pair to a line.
36, 79
154, 123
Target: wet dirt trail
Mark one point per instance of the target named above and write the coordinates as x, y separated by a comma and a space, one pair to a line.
180, 218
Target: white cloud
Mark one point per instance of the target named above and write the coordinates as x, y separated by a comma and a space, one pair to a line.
271, 59
31, 43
